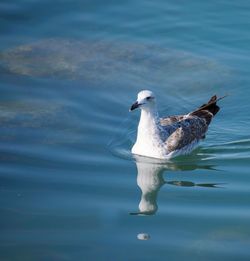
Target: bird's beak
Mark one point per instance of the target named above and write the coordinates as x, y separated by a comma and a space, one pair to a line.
134, 106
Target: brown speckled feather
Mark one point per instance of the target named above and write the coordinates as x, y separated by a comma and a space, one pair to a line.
186, 129
185, 132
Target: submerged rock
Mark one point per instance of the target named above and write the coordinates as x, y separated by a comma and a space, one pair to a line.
104, 61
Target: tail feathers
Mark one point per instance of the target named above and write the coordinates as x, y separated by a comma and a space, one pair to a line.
211, 105
213, 99
209, 109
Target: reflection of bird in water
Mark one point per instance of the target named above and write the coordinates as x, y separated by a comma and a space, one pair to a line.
150, 179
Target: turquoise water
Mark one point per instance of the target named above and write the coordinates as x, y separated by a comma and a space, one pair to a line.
70, 189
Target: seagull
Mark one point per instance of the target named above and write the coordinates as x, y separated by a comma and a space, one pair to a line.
165, 138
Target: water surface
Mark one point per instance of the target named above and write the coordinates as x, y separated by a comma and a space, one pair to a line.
70, 189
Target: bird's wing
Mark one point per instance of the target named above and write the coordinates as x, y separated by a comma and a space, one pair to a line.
168, 121
206, 111
182, 133
184, 129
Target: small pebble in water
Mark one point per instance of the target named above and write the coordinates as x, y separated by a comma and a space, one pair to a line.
143, 236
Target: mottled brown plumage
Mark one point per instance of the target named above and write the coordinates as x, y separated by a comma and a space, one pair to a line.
186, 129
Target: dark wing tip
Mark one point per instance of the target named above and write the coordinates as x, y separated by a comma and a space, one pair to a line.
213, 99
205, 114
210, 106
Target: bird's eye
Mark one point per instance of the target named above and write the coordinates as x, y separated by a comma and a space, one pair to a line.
148, 98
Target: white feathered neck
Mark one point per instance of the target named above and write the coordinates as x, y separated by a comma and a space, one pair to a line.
149, 141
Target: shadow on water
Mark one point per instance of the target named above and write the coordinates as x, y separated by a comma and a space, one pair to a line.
150, 179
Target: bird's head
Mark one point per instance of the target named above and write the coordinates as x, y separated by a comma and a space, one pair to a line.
145, 100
